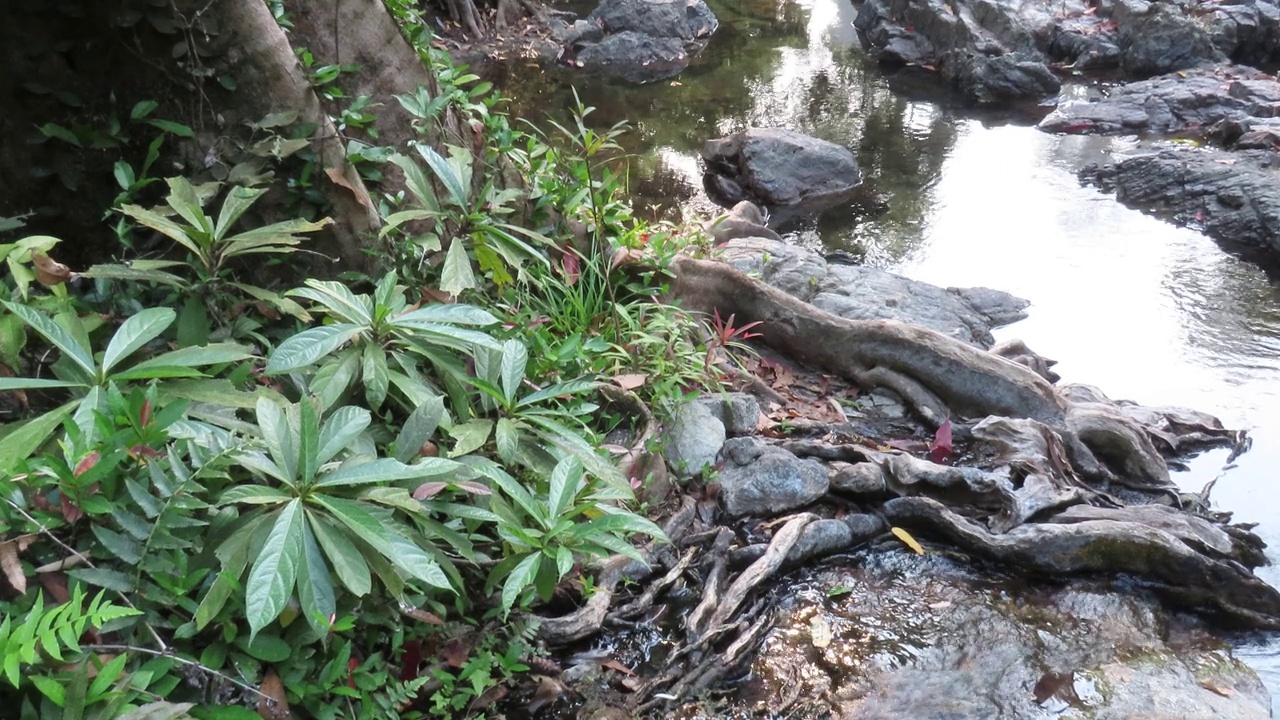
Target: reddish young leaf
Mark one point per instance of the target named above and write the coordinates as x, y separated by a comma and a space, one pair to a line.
70, 512
144, 417
474, 488
428, 490
940, 448
572, 267
87, 463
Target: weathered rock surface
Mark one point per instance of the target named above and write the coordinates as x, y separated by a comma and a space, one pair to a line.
640, 40
1234, 197
1128, 542
910, 637
761, 480
1177, 103
783, 170
694, 438
1003, 50
737, 411
864, 293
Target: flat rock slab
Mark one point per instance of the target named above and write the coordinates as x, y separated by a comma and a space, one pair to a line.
781, 169
865, 293
918, 637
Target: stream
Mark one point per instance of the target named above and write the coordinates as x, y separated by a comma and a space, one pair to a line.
1140, 308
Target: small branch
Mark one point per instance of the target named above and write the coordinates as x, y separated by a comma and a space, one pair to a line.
77, 554
181, 661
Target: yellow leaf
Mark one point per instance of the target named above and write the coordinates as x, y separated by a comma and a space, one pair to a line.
907, 540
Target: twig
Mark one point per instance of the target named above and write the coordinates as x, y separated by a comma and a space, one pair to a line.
76, 553
181, 661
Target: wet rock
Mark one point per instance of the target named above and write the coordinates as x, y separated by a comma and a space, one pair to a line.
761, 480
737, 411
864, 293
1158, 558
694, 439
819, 539
859, 480
640, 40
1234, 197
919, 637
745, 220
1158, 38
1175, 103
783, 169
1197, 533
862, 527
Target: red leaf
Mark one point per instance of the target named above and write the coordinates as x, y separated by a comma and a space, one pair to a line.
940, 448
426, 490
87, 463
572, 267
144, 418
70, 512
474, 488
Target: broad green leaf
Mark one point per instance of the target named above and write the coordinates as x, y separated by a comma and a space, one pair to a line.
341, 427
156, 372
448, 314
511, 487
138, 330
447, 173
308, 441
417, 182
515, 356
348, 564
159, 710
391, 545
470, 436
338, 300
123, 547
413, 560
456, 275
385, 470
185, 200
418, 429
215, 391
272, 578
572, 387
20, 440
309, 346
334, 377
427, 334
105, 578
59, 338
276, 237
279, 433
253, 495
197, 356
238, 200
21, 383
520, 578
565, 479
507, 437
267, 648
315, 589
133, 273
168, 228
615, 524
375, 379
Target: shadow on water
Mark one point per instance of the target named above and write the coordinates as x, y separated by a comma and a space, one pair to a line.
1145, 310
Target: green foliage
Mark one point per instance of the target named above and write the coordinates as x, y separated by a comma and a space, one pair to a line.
53, 632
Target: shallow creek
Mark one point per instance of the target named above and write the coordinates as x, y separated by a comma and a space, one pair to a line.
1140, 308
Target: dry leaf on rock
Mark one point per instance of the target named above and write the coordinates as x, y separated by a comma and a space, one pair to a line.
272, 705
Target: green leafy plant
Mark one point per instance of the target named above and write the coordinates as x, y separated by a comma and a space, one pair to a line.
324, 510
380, 340
89, 376
53, 631
481, 239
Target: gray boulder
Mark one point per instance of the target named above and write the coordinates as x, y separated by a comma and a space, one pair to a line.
640, 40
737, 411
693, 439
918, 637
865, 293
761, 480
784, 169
1234, 197
1158, 38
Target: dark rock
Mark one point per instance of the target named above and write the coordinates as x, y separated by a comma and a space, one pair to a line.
866, 293
784, 169
820, 538
739, 412
1159, 38
863, 528
694, 438
1159, 559
761, 480
909, 637
999, 79
1230, 95
640, 40
859, 480
1234, 197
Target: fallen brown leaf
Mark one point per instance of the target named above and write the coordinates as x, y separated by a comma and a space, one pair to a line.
1213, 687
49, 272
549, 690
272, 705
10, 563
615, 665
630, 381
338, 176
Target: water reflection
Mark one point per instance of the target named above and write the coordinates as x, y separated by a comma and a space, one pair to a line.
1138, 307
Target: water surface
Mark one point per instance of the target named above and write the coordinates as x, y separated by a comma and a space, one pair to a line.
1140, 308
